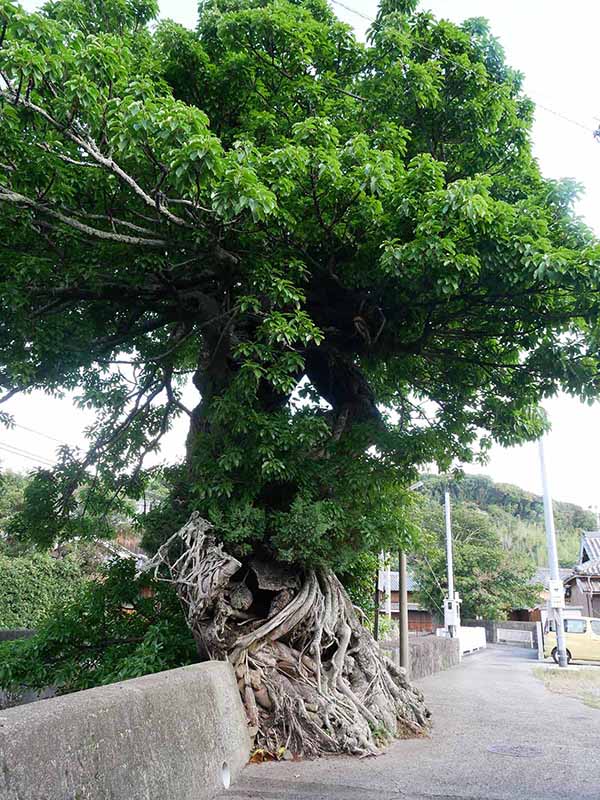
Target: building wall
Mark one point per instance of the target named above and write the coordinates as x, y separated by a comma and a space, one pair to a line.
420, 622
419, 619
581, 599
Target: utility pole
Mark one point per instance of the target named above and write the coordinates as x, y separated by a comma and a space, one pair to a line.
403, 650
451, 603
388, 588
557, 597
376, 609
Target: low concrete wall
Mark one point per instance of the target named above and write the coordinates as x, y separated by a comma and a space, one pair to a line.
491, 630
431, 654
471, 639
8, 634
427, 654
176, 735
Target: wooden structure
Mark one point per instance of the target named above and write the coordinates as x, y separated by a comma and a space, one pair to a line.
420, 619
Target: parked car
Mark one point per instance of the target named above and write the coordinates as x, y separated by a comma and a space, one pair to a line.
582, 639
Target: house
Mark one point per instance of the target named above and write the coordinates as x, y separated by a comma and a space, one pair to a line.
589, 549
537, 614
420, 619
582, 585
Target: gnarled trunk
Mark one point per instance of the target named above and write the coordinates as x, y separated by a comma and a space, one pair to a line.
312, 678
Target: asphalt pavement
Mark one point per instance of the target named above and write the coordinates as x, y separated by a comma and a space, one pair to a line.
498, 734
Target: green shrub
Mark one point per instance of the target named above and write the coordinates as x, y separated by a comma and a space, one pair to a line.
31, 585
120, 626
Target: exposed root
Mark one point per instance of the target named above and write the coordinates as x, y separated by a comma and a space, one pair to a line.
311, 677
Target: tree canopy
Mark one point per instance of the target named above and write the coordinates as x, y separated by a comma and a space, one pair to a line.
349, 253
347, 248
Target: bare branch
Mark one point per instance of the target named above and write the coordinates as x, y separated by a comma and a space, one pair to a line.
84, 141
7, 195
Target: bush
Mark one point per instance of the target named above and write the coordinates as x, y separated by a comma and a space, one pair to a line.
31, 585
120, 626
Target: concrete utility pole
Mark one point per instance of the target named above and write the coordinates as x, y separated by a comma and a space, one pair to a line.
451, 603
404, 655
557, 598
403, 649
376, 609
388, 588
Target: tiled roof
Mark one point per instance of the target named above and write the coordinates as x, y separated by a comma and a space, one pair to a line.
588, 567
411, 585
590, 542
542, 575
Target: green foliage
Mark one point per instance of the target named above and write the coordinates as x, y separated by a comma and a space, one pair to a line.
116, 628
360, 582
518, 516
490, 579
12, 489
347, 248
31, 585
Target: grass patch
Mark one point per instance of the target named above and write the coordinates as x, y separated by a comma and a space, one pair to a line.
584, 684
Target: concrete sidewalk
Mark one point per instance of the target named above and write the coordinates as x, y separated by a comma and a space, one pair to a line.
498, 734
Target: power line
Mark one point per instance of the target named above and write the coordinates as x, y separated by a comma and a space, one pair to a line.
353, 11
16, 451
466, 70
38, 433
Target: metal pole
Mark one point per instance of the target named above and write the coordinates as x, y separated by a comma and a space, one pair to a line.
552, 555
388, 588
449, 563
376, 611
404, 654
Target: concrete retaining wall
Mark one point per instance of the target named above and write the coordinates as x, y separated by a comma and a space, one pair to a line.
427, 654
176, 735
8, 634
491, 630
431, 654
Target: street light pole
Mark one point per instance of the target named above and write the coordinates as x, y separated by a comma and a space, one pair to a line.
556, 587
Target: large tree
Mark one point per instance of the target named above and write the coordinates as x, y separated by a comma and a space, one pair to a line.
348, 249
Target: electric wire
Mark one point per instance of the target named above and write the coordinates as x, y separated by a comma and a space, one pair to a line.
564, 117
435, 578
17, 451
38, 433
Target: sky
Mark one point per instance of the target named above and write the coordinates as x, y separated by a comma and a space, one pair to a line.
555, 46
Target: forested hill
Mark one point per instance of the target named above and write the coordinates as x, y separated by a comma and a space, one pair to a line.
518, 516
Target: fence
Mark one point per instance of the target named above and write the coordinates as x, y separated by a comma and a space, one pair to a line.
517, 634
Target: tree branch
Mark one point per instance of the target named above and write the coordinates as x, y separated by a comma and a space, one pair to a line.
7, 195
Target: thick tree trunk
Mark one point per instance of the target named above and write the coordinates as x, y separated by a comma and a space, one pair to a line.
312, 678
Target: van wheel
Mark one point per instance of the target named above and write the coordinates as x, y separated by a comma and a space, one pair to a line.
555, 656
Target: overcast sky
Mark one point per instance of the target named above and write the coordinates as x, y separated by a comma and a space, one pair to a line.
555, 46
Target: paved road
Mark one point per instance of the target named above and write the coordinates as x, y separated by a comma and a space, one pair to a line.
498, 734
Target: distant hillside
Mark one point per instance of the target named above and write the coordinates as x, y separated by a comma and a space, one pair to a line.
518, 516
